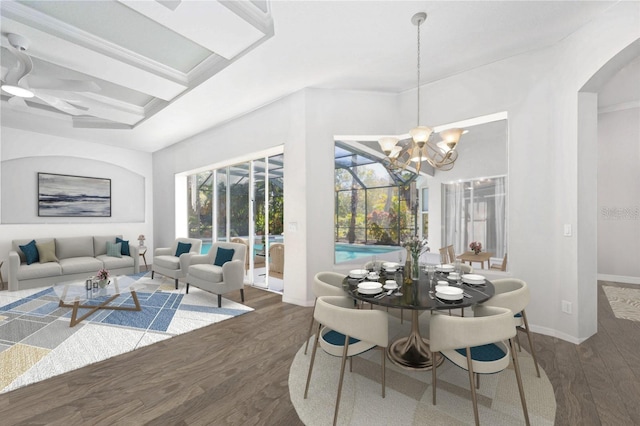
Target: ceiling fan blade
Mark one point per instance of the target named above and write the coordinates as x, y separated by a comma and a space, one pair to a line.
61, 105
37, 82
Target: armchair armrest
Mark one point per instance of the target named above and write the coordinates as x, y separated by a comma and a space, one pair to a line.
185, 261
162, 251
233, 273
14, 264
134, 252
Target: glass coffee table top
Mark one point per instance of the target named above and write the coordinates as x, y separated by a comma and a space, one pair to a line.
76, 295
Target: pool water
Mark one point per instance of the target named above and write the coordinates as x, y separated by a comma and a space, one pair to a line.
344, 252
351, 252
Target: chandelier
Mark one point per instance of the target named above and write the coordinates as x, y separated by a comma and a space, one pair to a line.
440, 153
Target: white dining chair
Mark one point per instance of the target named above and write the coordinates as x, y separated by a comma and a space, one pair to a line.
513, 293
477, 344
346, 332
324, 284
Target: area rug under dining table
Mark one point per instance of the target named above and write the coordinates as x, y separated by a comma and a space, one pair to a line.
408, 392
36, 341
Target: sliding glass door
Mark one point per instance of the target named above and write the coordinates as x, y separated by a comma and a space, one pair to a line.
244, 201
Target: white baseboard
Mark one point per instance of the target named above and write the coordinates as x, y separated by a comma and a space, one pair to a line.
619, 279
555, 333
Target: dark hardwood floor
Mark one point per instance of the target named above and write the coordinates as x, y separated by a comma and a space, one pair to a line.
236, 373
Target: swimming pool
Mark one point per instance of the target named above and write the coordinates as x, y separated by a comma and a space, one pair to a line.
353, 252
345, 252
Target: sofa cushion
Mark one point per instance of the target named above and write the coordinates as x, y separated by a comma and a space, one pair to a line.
182, 248
38, 270
223, 256
114, 249
70, 247
125, 246
30, 251
47, 251
167, 262
111, 263
80, 265
100, 243
206, 272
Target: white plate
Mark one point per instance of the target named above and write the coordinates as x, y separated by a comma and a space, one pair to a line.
473, 279
373, 277
369, 285
445, 268
358, 273
440, 287
390, 265
443, 283
390, 286
449, 293
371, 291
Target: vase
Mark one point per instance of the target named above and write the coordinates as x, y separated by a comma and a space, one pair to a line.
415, 267
103, 283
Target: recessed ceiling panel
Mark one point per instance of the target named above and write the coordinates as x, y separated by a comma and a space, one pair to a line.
123, 26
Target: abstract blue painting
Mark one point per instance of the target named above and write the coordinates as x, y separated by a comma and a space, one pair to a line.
73, 196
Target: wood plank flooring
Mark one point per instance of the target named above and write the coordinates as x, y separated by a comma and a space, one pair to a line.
236, 373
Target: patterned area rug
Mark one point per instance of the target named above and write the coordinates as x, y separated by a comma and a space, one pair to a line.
624, 301
36, 341
408, 393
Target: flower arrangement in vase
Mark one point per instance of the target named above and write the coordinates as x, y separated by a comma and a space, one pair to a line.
141, 240
415, 247
476, 246
103, 277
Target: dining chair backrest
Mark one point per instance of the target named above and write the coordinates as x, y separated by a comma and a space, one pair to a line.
444, 255
510, 293
489, 325
328, 284
452, 254
502, 266
338, 313
466, 269
376, 265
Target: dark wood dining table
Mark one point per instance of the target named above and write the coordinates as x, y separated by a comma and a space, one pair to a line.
413, 351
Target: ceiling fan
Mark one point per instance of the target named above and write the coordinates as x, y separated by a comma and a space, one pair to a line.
20, 82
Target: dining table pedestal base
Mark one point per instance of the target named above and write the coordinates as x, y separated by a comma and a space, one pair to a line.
413, 351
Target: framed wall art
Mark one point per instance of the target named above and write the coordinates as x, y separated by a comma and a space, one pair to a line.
73, 196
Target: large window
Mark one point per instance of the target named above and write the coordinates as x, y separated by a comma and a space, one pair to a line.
475, 210
374, 204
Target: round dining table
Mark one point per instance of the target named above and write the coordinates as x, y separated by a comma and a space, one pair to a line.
413, 351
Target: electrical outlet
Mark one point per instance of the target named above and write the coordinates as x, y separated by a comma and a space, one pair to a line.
566, 306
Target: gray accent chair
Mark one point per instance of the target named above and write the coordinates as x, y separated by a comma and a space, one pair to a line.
203, 274
166, 263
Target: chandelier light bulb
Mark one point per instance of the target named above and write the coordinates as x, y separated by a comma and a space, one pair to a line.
387, 144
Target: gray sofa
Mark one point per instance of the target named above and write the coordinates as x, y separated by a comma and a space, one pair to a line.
78, 258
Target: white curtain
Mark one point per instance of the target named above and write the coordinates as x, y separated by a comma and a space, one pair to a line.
500, 216
454, 216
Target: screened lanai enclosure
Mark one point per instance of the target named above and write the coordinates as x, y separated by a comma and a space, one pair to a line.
375, 204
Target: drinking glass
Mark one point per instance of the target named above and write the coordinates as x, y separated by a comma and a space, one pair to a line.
431, 270
399, 280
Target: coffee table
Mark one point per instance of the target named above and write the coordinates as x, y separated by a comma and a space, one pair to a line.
74, 295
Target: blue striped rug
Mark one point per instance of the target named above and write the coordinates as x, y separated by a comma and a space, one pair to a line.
36, 341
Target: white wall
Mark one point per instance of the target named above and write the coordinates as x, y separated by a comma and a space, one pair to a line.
17, 145
619, 195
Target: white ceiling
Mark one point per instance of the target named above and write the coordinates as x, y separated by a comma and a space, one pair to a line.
147, 57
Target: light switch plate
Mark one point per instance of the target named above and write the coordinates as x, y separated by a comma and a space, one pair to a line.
567, 229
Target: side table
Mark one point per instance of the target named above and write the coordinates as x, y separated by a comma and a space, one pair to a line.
142, 250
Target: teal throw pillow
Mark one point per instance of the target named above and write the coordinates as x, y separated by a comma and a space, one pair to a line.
183, 248
114, 249
223, 256
125, 247
30, 252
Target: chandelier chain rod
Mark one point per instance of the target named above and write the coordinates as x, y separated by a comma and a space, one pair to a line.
418, 86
